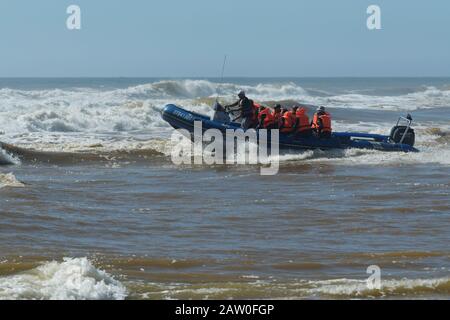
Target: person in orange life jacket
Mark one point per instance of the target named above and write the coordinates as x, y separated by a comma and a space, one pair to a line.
276, 115
289, 121
303, 126
265, 118
270, 119
245, 109
321, 123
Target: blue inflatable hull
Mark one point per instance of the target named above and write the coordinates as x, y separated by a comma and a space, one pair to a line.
180, 118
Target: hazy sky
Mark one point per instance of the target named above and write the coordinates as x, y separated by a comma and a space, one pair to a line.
174, 38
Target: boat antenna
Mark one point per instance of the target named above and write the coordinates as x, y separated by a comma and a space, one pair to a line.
221, 77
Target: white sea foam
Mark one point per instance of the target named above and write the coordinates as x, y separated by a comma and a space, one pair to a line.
429, 142
73, 278
137, 108
190, 89
332, 288
429, 98
392, 287
6, 158
427, 155
9, 180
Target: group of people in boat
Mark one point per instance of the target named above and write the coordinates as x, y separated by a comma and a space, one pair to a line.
293, 121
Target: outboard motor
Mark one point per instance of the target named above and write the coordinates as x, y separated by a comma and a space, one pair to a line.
403, 134
220, 114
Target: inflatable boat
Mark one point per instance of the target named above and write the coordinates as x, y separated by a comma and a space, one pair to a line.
401, 138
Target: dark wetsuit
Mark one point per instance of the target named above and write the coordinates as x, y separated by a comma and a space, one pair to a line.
246, 110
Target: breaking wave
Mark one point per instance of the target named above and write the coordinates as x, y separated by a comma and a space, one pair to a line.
137, 107
73, 278
78, 154
6, 158
348, 288
431, 97
9, 180
296, 289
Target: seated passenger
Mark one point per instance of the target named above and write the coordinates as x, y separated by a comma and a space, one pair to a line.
321, 123
264, 118
288, 121
276, 115
220, 114
302, 127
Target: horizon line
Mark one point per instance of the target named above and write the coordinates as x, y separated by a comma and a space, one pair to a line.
217, 77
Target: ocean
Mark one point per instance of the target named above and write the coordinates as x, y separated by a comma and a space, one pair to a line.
92, 206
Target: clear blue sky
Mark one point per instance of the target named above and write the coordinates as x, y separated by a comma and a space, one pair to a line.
174, 38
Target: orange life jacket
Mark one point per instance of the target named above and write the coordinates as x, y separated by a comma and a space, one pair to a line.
268, 119
326, 122
263, 112
289, 122
303, 120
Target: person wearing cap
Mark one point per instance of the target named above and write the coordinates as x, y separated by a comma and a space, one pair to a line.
245, 108
276, 116
321, 123
288, 120
220, 114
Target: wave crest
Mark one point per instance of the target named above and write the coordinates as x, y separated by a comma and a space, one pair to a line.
71, 279
9, 180
137, 107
